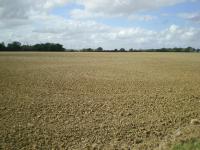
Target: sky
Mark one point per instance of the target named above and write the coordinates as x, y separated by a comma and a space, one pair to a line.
111, 24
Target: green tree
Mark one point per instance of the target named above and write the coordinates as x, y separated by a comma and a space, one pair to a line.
189, 49
99, 49
2, 46
131, 50
14, 46
122, 50
87, 50
48, 47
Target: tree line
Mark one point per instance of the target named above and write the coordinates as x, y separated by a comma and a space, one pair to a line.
17, 46
100, 49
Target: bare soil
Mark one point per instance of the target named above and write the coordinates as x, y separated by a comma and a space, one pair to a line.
98, 100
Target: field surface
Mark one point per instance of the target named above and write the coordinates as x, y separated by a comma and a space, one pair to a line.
98, 100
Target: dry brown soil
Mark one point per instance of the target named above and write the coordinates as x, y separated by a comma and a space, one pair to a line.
97, 100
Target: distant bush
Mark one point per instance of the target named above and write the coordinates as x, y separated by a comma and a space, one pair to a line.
17, 46
2, 46
14, 46
122, 50
87, 50
99, 49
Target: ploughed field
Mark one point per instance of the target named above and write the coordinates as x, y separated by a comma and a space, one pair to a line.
98, 100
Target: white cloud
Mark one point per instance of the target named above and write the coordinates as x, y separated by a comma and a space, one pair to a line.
125, 6
20, 12
193, 16
84, 14
81, 34
30, 22
120, 8
52, 3
176, 36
